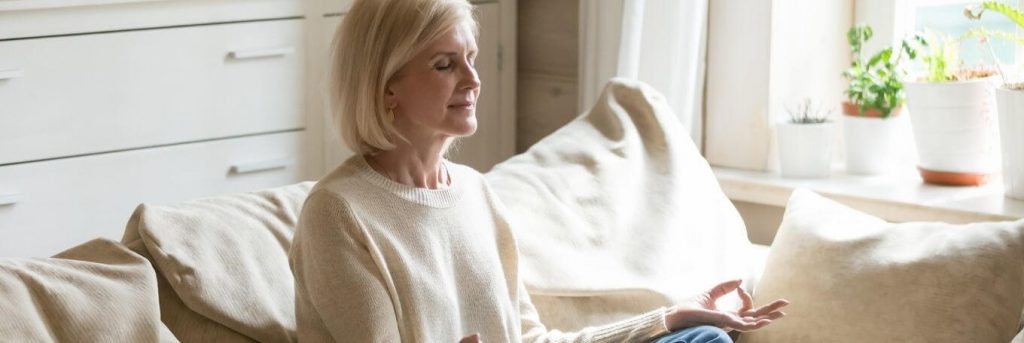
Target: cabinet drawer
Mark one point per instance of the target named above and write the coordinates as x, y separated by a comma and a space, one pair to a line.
66, 96
36, 18
46, 207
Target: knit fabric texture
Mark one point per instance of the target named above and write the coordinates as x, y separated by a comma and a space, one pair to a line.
378, 261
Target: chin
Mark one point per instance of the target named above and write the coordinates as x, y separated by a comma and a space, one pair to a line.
466, 128
467, 132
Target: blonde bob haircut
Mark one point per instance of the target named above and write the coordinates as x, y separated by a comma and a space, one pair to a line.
377, 38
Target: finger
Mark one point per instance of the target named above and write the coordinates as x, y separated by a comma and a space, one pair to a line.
748, 303
474, 338
730, 321
772, 316
722, 319
754, 325
723, 289
772, 307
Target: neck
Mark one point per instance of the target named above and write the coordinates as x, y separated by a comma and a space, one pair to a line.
417, 165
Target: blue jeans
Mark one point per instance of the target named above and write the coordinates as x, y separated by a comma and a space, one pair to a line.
696, 334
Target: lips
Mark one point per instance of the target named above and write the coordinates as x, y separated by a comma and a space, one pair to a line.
462, 105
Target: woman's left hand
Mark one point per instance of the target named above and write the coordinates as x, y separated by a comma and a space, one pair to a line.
701, 310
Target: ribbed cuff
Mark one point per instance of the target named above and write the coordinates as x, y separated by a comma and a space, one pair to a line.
641, 328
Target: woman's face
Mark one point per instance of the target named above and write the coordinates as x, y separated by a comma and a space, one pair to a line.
434, 95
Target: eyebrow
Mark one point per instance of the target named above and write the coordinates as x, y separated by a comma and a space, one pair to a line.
451, 53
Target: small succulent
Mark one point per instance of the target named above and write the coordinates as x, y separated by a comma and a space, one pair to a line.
806, 112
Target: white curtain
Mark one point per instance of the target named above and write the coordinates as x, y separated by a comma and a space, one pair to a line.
660, 42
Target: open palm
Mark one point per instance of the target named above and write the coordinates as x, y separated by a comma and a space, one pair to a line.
701, 310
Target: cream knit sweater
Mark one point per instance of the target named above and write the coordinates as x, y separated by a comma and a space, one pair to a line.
378, 261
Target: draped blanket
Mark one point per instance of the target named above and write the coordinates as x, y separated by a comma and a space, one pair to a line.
617, 213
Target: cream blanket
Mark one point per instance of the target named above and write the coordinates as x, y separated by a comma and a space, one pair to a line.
618, 213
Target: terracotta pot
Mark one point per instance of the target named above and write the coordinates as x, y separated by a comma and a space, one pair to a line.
952, 179
853, 110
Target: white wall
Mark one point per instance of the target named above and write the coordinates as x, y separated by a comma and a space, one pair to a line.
736, 98
762, 56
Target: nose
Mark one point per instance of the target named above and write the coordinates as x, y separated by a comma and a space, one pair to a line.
470, 80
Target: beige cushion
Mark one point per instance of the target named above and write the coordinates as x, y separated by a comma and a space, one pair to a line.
95, 292
226, 260
617, 213
852, 277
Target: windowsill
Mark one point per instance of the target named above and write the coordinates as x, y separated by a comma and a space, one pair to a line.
898, 197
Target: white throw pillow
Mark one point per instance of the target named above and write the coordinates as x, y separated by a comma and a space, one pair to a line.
852, 277
225, 262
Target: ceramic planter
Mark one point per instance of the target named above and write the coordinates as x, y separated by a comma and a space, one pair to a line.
1011, 132
954, 128
869, 140
805, 150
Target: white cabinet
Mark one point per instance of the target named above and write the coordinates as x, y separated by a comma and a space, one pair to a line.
203, 98
54, 205
42, 18
105, 92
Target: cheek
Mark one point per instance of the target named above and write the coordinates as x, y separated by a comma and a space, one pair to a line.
430, 92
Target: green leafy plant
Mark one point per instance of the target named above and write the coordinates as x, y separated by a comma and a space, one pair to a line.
975, 11
806, 112
876, 82
942, 58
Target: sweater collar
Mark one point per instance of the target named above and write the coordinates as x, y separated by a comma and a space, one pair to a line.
437, 198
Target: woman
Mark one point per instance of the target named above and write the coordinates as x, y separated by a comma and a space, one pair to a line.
399, 244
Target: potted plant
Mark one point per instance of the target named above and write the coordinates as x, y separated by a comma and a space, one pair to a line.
805, 141
1010, 104
875, 97
952, 111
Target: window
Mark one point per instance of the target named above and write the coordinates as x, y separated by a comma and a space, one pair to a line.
947, 17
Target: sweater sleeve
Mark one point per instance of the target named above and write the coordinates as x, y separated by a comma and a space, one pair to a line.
642, 328
341, 294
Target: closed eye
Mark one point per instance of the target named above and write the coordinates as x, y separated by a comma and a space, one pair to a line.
444, 66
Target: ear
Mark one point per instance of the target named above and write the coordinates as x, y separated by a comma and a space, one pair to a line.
390, 99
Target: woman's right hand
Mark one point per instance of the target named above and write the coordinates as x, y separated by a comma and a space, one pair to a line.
474, 338
701, 310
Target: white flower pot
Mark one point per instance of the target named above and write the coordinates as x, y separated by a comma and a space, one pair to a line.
954, 128
805, 150
1011, 132
870, 143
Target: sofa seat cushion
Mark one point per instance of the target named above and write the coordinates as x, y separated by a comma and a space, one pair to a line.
852, 277
99, 291
225, 259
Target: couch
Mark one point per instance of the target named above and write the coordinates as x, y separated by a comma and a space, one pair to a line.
621, 191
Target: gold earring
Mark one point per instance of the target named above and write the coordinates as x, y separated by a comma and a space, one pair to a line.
390, 115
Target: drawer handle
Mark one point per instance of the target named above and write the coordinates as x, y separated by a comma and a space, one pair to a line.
11, 74
258, 166
260, 53
9, 199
